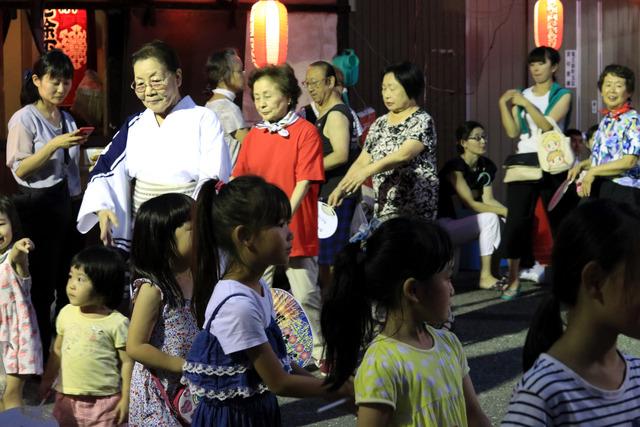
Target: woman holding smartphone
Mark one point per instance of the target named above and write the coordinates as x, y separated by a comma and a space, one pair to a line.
43, 152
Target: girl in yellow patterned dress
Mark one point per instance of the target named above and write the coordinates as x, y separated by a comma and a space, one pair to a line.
411, 374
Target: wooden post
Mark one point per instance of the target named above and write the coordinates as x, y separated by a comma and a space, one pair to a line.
7, 183
3, 119
343, 24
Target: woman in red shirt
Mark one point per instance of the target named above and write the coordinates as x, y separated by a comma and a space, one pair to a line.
286, 150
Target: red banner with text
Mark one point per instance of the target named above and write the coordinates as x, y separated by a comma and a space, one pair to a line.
66, 29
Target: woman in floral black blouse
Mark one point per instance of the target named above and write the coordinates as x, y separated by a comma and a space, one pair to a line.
399, 152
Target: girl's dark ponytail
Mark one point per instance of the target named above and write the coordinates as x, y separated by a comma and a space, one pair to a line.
206, 260
29, 92
247, 201
545, 329
346, 319
371, 278
580, 240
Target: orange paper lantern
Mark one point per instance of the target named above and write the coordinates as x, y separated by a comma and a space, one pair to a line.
548, 23
268, 33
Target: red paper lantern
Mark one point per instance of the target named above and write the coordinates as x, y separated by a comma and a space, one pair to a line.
548, 23
268, 33
66, 29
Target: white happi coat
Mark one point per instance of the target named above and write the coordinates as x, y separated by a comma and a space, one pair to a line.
188, 147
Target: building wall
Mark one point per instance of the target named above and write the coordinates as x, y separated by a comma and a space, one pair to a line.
18, 54
429, 33
496, 52
194, 34
600, 31
617, 42
471, 52
474, 50
312, 37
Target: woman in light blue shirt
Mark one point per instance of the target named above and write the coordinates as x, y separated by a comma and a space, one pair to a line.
43, 154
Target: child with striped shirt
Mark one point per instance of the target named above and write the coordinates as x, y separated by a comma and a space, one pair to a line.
575, 373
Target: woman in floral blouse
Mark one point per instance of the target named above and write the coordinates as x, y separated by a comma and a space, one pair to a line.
399, 153
613, 172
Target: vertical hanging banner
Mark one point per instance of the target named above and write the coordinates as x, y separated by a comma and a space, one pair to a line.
66, 29
571, 69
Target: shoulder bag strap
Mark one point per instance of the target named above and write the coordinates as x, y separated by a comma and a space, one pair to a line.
522, 117
166, 399
217, 309
555, 94
63, 122
158, 383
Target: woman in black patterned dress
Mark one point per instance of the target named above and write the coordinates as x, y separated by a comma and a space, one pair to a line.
399, 152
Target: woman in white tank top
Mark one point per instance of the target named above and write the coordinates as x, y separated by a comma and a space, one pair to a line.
522, 112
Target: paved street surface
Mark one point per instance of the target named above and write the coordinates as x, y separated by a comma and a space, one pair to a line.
492, 332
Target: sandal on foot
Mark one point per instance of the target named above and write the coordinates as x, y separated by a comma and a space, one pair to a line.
508, 295
500, 285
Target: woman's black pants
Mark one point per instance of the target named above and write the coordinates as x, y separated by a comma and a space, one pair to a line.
521, 204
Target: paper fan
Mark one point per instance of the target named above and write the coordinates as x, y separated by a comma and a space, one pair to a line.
294, 324
557, 196
327, 221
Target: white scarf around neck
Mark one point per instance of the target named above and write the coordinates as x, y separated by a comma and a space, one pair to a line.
280, 125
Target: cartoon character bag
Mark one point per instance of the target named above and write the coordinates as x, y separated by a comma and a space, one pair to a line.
554, 149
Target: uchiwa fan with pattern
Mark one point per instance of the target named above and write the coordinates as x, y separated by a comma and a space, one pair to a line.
294, 324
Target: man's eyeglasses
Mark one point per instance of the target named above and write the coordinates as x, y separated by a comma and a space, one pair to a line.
312, 83
155, 84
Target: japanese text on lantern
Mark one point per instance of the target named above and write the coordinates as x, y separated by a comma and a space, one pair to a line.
552, 23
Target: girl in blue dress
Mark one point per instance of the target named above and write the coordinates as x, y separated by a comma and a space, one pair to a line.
238, 363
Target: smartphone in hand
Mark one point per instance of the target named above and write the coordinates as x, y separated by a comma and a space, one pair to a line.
86, 130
